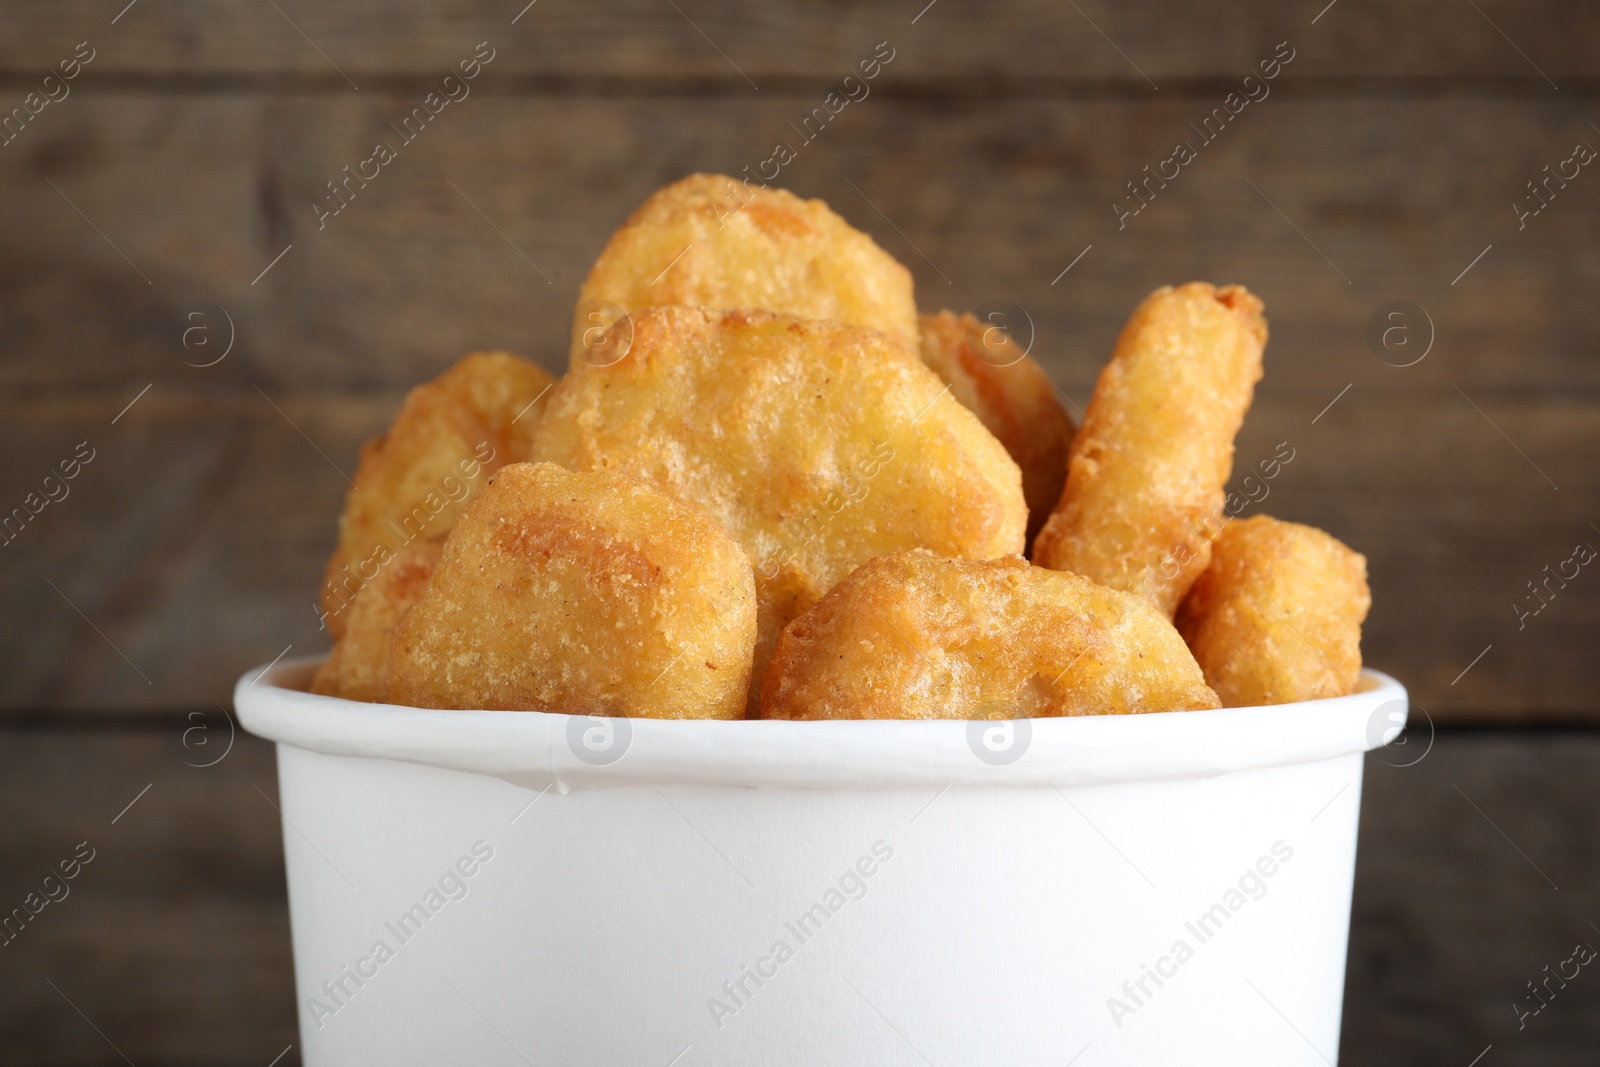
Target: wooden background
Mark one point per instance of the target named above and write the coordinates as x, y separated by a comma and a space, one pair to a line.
994, 145
174, 942
988, 156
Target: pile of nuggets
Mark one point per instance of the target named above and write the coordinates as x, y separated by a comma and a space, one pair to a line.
767, 487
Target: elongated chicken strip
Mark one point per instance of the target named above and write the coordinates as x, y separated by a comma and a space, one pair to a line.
1147, 468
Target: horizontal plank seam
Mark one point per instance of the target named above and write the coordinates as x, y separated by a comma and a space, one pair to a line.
1463, 723
955, 85
23, 403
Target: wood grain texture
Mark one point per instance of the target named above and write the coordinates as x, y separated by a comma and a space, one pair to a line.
174, 941
479, 234
707, 41
992, 148
193, 542
988, 158
1454, 914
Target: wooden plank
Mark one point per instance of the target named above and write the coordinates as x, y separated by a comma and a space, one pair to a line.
1453, 914
481, 231
174, 940
725, 43
189, 547
1455, 522
197, 552
193, 542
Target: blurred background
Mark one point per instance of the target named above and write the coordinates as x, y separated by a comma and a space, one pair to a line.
191, 332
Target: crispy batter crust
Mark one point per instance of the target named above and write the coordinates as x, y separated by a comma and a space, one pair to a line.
816, 445
583, 594
988, 372
411, 483
358, 666
716, 242
919, 636
1146, 471
1277, 615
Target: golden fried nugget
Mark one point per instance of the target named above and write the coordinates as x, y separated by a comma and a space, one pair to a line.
988, 372
1147, 468
716, 242
358, 666
1277, 615
919, 636
583, 594
816, 445
452, 433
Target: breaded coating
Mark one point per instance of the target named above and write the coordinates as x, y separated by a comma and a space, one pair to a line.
919, 636
358, 666
1277, 615
716, 242
988, 372
450, 435
1147, 468
816, 445
582, 594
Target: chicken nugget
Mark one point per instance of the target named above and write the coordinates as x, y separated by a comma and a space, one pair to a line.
991, 374
1277, 615
716, 242
582, 594
358, 666
450, 435
919, 636
816, 445
1146, 470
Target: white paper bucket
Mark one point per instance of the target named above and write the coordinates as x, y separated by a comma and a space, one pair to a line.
512, 887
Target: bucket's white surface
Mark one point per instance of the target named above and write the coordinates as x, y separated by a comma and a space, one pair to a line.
632, 882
